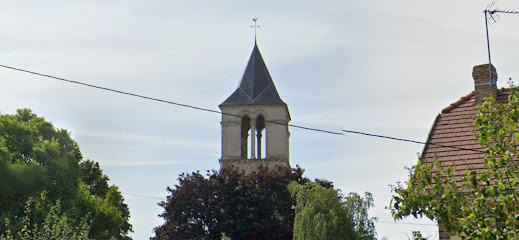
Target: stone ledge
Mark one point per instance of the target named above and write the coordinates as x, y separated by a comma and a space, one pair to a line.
251, 165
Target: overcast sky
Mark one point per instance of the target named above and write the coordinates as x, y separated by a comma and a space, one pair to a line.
384, 67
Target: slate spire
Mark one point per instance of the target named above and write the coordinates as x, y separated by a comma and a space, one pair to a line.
256, 86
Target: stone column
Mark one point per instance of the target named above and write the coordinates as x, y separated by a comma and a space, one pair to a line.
259, 143
253, 139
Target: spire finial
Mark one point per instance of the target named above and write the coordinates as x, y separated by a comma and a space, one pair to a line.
255, 28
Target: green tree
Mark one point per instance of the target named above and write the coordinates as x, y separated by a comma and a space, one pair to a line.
55, 225
93, 177
111, 214
224, 237
324, 213
253, 206
35, 157
31, 145
417, 235
486, 205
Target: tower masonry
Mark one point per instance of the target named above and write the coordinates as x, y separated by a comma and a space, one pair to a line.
255, 122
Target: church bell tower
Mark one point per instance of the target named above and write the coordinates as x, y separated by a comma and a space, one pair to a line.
255, 122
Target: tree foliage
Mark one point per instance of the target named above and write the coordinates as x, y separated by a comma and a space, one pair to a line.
37, 158
253, 206
55, 225
324, 213
486, 205
417, 235
232, 205
110, 214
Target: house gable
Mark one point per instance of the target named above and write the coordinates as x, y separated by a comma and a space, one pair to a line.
451, 139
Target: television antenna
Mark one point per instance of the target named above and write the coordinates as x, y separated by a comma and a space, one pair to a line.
491, 17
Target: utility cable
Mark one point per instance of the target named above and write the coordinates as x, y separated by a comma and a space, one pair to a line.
229, 114
411, 141
142, 196
380, 136
161, 100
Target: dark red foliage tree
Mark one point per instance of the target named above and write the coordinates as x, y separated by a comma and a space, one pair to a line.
252, 206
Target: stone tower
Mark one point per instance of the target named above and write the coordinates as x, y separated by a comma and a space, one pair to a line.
255, 122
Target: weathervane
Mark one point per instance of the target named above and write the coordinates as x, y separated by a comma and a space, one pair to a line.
255, 27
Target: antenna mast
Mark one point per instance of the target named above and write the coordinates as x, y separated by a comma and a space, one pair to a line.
488, 41
492, 17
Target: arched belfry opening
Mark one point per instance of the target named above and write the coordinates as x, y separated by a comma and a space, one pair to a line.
253, 131
245, 133
261, 137
255, 122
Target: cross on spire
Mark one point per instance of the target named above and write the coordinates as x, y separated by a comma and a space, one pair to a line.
255, 28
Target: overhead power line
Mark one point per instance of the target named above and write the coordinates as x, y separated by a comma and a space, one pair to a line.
142, 196
220, 112
411, 141
380, 136
160, 100
229, 114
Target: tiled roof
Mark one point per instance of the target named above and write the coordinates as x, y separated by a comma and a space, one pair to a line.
256, 86
452, 141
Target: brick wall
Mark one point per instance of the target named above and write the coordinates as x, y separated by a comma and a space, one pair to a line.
484, 81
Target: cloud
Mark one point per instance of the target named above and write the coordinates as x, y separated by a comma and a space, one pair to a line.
144, 163
145, 139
